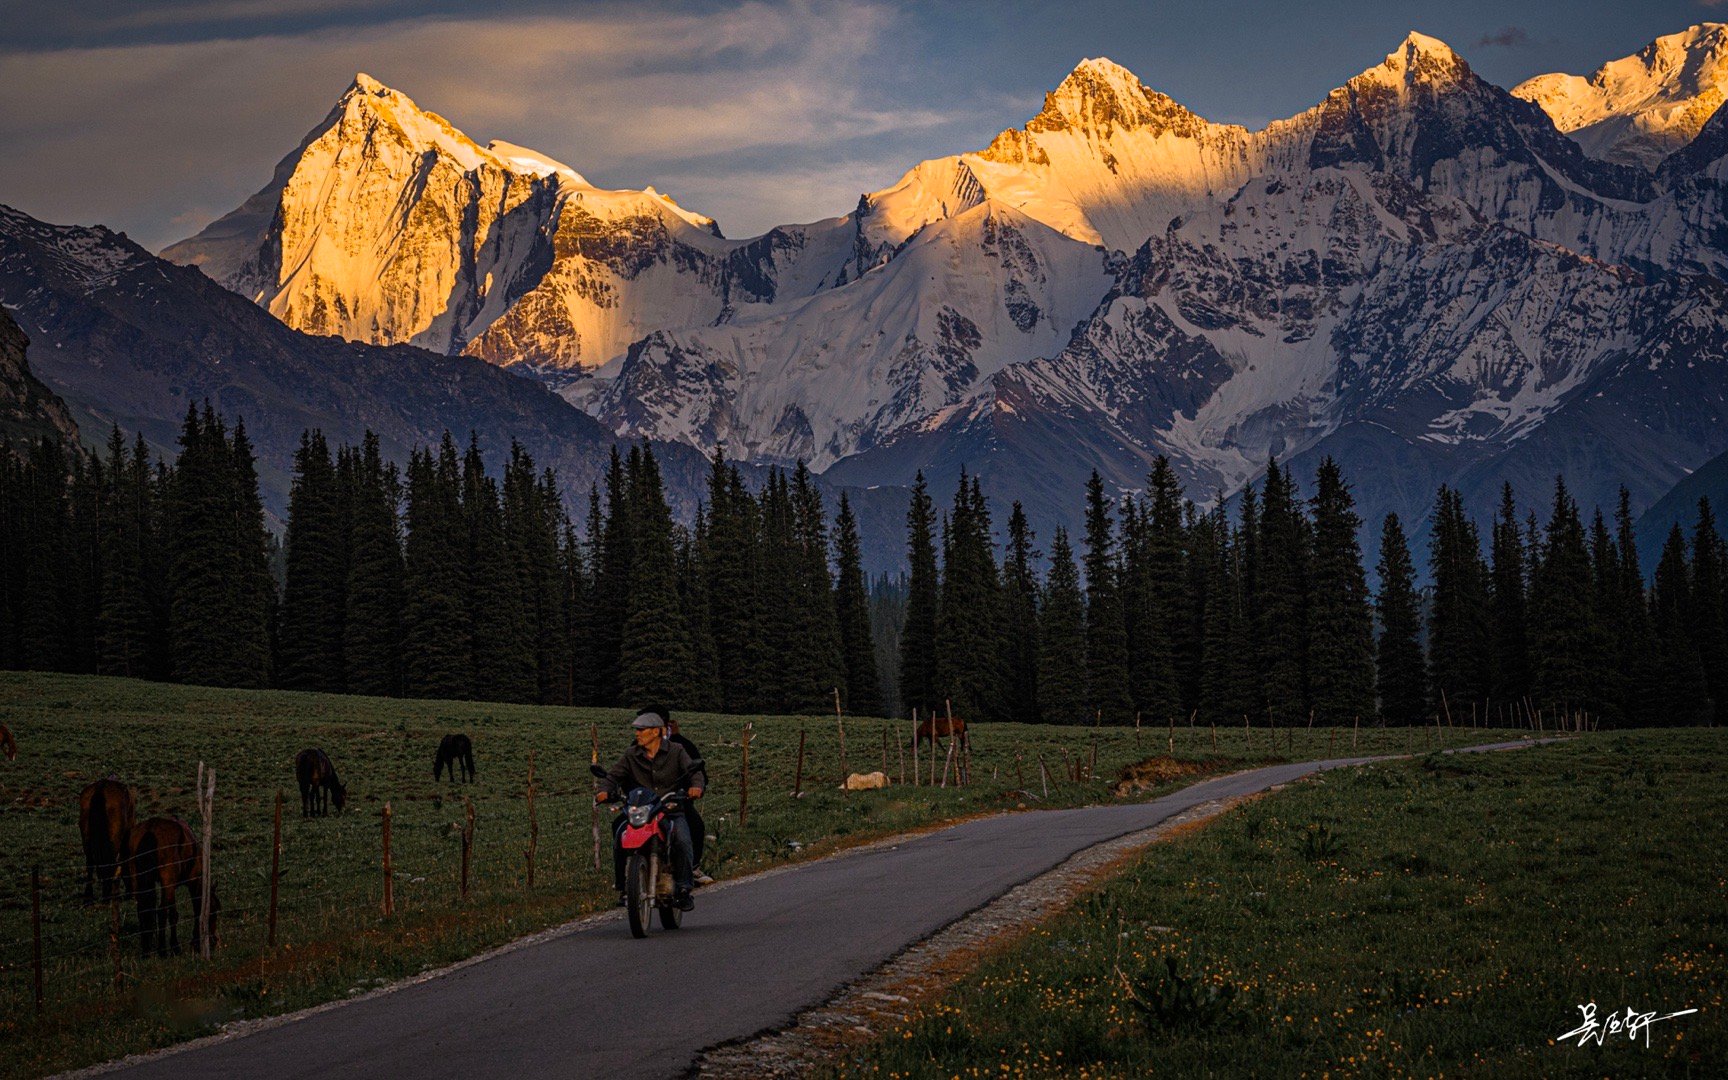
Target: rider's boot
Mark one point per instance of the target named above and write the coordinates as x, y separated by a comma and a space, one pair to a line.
683, 900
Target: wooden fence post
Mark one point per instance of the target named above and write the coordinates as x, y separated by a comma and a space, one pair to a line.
1136, 727
917, 777
594, 807
533, 821
798, 776
1044, 773
744, 778
36, 932
1214, 736
389, 890
960, 765
207, 810
275, 868
1354, 728
953, 741
840, 722
468, 842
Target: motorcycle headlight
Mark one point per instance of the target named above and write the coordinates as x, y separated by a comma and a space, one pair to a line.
639, 815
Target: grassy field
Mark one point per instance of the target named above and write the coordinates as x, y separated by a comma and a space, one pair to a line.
1444, 916
332, 939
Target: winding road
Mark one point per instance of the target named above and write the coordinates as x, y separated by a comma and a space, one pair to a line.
590, 1001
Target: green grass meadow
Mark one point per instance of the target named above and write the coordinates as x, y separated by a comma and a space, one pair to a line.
332, 938
1443, 916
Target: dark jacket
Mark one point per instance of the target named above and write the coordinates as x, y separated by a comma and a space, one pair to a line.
661, 772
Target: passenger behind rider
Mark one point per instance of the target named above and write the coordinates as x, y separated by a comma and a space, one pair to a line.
658, 764
698, 828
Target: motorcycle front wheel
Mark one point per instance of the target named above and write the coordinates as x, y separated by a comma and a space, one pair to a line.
639, 894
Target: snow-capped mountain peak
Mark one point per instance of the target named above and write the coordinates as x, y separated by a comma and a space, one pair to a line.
1640, 108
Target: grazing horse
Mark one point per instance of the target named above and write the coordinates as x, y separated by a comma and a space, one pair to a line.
105, 813
164, 858
319, 784
941, 727
8, 745
453, 751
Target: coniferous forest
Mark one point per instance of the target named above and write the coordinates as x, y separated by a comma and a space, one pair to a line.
443, 580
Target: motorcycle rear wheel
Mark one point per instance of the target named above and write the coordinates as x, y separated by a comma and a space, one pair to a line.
639, 894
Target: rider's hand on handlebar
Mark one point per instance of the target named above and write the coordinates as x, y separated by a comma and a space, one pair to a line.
695, 793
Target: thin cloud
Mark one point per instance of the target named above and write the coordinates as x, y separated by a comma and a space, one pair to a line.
620, 94
1508, 37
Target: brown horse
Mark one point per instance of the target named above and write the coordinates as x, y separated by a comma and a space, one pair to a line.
105, 813
454, 752
164, 858
8, 745
319, 784
938, 727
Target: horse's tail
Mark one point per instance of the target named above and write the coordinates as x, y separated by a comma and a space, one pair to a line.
98, 838
145, 865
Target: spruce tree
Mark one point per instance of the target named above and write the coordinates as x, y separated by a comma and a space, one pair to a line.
1168, 597
533, 525
612, 568
44, 623
1020, 621
1341, 623
655, 655
1709, 592
1566, 641
1062, 693
918, 641
702, 682
314, 596
1402, 671
970, 620
1282, 597
814, 668
852, 611
253, 588
375, 599
437, 662
1635, 642
1510, 658
1681, 694
127, 626
1608, 602
87, 507
1459, 654
1106, 637
726, 552
1217, 554
501, 655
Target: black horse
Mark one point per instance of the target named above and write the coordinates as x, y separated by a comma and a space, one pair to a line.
454, 751
319, 784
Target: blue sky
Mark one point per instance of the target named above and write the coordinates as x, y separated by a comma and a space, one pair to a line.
155, 118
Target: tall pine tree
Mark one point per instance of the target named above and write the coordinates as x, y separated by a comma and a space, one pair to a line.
1402, 670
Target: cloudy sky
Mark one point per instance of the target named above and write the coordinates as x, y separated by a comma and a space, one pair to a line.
157, 117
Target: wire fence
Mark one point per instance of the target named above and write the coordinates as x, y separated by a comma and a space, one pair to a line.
328, 889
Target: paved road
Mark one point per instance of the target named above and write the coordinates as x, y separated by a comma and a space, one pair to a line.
748, 958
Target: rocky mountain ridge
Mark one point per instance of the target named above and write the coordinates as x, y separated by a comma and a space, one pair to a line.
1421, 268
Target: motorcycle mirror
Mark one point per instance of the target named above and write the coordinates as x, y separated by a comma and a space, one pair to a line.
597, 771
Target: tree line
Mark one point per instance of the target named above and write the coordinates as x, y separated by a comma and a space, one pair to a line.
443, 580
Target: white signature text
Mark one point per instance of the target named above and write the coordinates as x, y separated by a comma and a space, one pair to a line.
1631, 1024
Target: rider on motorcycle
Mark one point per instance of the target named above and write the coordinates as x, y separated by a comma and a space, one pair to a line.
658, 764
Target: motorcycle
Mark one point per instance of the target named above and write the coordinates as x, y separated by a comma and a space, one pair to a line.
648, 883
